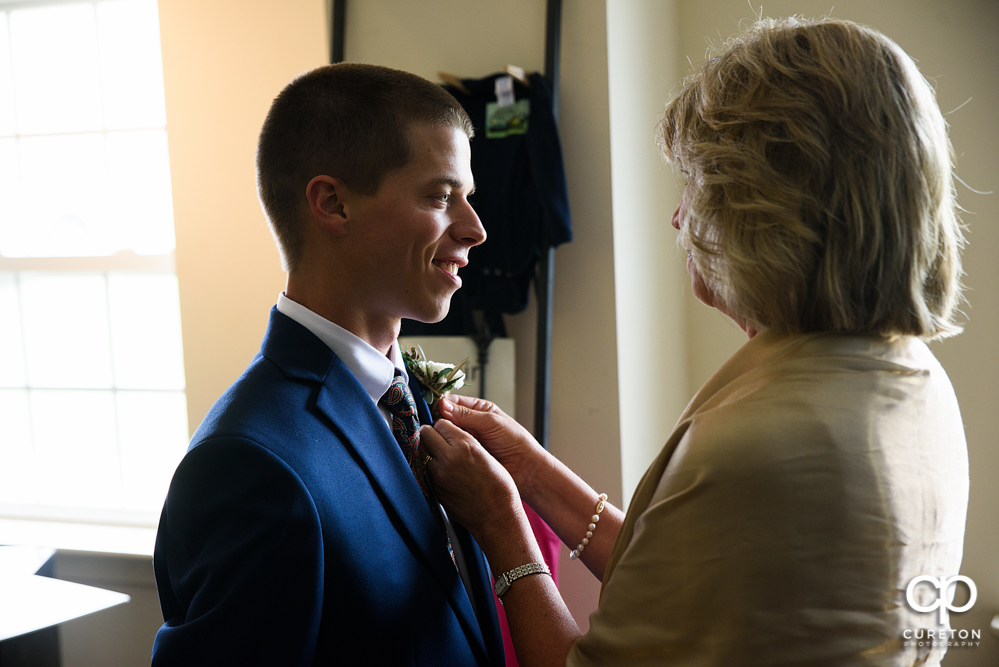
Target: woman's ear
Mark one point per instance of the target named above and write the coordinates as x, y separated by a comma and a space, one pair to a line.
327, 201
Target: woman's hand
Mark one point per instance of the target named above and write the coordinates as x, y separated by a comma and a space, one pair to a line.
509, 442
479, 493
473, 487
557, 494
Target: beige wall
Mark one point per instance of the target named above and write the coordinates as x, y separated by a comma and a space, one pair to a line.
223, 63
225, 60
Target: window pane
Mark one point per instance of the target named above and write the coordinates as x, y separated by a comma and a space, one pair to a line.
66, 330
17, 463
92, 405
11, 230
131, 70
152, 427
11, 345
145, 331
71, 218
56, 71
76, 447
6, 81
139, 177
80, 218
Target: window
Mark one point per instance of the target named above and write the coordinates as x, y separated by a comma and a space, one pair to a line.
93, 417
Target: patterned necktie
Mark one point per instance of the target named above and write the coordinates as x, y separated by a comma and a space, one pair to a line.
406, 429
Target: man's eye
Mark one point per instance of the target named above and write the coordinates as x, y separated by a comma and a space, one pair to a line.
445, 197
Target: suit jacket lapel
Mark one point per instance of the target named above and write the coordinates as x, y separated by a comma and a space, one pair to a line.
422, 409
349, 409
343, 401
480, 578
478, 572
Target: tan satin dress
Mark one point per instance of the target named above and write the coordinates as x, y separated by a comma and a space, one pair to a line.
805, 485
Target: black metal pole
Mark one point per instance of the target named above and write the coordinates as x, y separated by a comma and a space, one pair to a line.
336, 37
553, 42
546, 266
543, 373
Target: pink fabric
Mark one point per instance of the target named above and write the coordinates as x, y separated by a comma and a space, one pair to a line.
550, 545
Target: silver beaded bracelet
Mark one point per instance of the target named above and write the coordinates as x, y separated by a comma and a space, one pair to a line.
575, 553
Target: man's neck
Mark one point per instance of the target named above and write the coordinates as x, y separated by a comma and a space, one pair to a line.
378, 332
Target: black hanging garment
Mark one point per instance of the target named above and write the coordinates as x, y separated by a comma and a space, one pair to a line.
520, 197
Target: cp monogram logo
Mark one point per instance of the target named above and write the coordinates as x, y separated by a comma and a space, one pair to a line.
942, 586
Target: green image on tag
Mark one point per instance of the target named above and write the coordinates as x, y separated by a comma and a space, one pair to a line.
505, 121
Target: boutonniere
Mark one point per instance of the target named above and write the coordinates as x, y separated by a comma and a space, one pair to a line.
437, 379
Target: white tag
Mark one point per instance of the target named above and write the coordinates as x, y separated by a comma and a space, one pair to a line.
504, 91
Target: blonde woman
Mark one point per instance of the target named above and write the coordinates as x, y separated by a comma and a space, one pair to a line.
824, 466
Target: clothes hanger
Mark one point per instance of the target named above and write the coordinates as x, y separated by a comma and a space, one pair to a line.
453, 81
517, 73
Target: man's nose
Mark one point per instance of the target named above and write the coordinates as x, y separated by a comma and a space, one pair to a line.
469, 228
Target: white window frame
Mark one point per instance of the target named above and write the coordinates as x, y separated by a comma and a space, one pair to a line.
85, 529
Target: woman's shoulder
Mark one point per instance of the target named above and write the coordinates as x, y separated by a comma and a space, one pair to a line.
827, 411
804, 377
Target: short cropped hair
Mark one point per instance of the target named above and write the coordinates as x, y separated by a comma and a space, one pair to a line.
349, 121
821, 195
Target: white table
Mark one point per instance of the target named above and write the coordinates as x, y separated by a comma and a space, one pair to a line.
29, 602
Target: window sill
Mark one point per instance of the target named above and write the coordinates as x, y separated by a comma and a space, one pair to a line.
99, 538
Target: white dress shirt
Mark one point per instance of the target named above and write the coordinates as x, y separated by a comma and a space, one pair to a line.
372, 369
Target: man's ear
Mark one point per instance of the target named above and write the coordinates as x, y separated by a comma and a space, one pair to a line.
326, 197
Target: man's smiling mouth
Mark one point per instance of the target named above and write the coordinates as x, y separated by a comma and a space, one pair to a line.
450, 267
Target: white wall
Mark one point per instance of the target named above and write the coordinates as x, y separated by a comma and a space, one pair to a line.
650, 277
121, 636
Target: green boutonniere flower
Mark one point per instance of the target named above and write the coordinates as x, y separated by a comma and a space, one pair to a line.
437, 379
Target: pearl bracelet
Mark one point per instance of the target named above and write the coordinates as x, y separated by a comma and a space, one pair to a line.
577, 552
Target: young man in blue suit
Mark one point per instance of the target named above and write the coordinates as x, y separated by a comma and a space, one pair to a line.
295, 532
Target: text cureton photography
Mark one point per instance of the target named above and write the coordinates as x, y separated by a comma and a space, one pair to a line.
943, 637
944, 603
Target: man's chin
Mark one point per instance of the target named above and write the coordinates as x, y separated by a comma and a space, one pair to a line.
433, 316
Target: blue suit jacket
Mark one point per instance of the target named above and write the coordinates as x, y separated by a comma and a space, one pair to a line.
294, 532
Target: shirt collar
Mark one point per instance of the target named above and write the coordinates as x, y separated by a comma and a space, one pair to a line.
372, 369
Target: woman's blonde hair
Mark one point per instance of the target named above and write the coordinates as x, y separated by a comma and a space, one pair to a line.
820, 194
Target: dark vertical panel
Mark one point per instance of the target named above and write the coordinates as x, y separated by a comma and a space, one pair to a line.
545, 282
336, 38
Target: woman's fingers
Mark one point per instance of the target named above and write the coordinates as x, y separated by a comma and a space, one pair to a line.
481, 423
502, 436
472, 403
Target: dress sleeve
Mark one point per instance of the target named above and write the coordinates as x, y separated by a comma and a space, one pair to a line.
238, 561
746, 546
